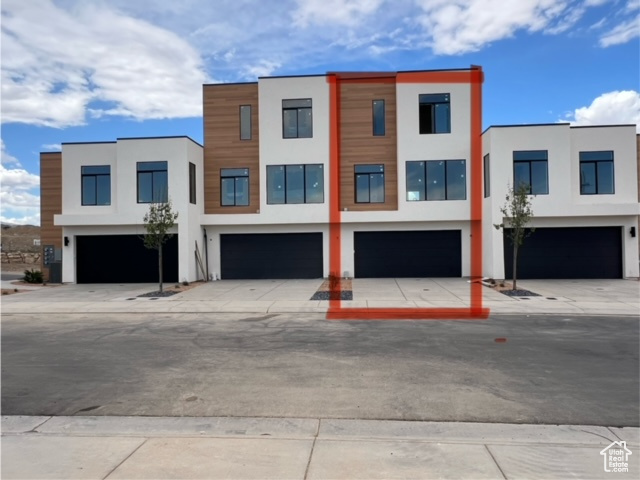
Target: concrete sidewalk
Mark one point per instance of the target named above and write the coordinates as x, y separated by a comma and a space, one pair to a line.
293, 448
571, 297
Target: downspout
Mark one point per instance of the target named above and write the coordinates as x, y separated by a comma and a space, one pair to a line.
206, 252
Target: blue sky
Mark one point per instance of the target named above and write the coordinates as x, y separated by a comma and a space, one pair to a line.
91, 70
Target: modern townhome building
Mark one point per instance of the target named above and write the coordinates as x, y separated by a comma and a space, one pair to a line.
254, 202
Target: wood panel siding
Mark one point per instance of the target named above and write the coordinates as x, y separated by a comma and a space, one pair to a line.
358, 145
223, 147
50, 203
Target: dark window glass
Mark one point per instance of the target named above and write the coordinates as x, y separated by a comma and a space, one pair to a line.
435, 113
596, 173
297, 119
487, 175
152, 182
437, 180
415, 181
295, 184
245, 122
234, 187
369, 181
96, 185
192, 183
378, 118
530, 168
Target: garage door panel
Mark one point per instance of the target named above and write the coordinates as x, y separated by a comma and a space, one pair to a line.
571, 252
408, 254
271, 256
123, 259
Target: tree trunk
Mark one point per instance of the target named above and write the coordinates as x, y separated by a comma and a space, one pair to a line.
160, 265
515, 265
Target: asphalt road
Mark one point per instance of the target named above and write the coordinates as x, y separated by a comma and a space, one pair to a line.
554, 370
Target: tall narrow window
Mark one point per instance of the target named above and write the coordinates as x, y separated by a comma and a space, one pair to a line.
596, 173
152, 182
530, 169
295, 184
245, 122
192, 183
96, 185
234, 187
435, 113
378, 118
296, 118
369, 183
437, 180
487, 178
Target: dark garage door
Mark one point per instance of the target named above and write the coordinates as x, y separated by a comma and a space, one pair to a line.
584, 252
123, 259
271, 255
408, 254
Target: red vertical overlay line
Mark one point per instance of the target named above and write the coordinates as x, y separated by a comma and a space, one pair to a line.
477, 78
335, 243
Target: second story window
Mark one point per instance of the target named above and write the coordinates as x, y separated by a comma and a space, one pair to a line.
297, 118
96, 185
530, 169
596, 173
369, 183
192, 183
487, 173
378, 118
152, 182
295, 184
234, 187
437, 180
245, 122
435, 113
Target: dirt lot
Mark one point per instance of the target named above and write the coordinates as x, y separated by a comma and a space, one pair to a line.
19, 238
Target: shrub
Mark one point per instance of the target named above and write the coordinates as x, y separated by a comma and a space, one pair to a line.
33, 276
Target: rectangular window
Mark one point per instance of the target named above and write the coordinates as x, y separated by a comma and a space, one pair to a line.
296, 118
487, 178
245, 122
378, 118
369, 183
435, 113
96, 185
530, 169
152, 182
437, 180
295, 184
234, 187
192, 183
596, 173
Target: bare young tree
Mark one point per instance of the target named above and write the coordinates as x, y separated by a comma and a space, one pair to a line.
519, 212
157, 222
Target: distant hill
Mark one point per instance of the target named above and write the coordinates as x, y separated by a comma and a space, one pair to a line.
19, 238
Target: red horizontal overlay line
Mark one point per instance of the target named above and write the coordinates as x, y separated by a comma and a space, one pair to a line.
406, 313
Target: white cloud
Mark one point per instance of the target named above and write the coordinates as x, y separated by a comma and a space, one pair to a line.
7, 158
19, 195
17, 179
618, 107
52, 70
621, 33
29, 219
342, 12
52, 146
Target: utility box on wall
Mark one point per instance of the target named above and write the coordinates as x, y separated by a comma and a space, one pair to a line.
53, 261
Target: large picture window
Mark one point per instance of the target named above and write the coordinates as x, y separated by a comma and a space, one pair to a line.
436, 180
596, 173
234, 187
297, 118
295, 184
152, 182
96, 185
435, 113
369, 183
530, 169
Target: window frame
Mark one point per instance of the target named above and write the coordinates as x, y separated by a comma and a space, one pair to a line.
486, 169
95, 176
304, 184
298, 110
595, 162
247, 127
445, 180
235, 178
529, 162
431, 99
192, 183
152, 171
372, 167
377, 129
